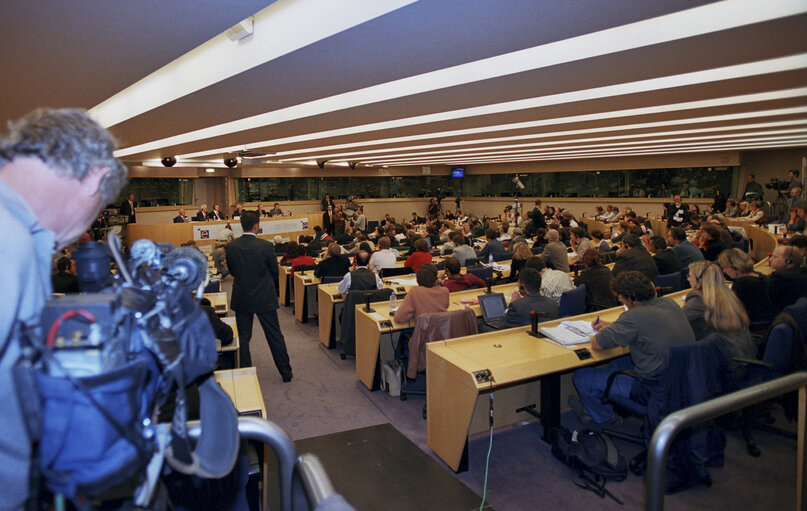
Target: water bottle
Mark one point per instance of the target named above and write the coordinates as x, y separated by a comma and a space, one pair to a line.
490, 259
393, 302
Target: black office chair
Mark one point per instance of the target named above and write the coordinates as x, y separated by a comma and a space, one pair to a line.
483, 273
395, 272
666, 284
469, 262
572, 302
329, 279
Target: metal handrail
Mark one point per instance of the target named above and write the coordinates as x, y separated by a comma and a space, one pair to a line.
315, 480
674, 423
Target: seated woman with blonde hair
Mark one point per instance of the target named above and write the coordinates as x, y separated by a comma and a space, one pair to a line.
712, 307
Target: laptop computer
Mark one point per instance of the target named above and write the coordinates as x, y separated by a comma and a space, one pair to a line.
493, 308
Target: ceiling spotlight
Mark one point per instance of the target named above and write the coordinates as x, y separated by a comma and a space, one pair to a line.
352, 164
321, 163
168, 161
231, 162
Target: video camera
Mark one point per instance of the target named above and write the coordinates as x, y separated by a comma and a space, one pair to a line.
777, 184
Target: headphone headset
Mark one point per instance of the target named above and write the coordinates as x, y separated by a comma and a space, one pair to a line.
789, 258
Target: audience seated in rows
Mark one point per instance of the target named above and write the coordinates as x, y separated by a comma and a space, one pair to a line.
420, 255
361, 277
456, 280
333, 264
553, 282
385, 257
788, 282
666, 259
528, 298
521, 253
555, 253
686, 251
751, 287
597, 279
494, 248
649, 327
301, 258
632, 256
427, 296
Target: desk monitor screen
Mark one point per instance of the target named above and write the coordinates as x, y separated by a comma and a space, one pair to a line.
493, 306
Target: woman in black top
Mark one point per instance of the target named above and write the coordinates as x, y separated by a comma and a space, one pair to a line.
597, 279
750, 287
521, 252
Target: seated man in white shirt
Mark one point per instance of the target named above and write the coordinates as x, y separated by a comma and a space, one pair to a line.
385, 257
365, 278
553, 282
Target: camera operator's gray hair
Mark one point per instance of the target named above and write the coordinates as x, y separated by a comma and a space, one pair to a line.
70, 142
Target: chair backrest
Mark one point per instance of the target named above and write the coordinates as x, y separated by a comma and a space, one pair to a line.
779, 351
482, 273
393, 272
439, 265
742, 245
328, 279
684, 282
213, 287
469, 262
537, 250
448, 251
303, 268
799, 313
437, 327
348, 332
572, 302
503, 257
670, 280
608, 257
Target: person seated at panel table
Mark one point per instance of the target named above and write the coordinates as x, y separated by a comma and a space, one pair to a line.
333, 264
788, 282
301, 258
597, 279
419, 256
667, 261
649, 327
238, 211
428, 296
216, 214
528, 298
750, 287
385, 257
276, 211
456, 280
417, 220
201, 215
494, 247
579, 242
181, 217
462, 251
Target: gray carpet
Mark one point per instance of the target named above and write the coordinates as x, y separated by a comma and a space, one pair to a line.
325, 397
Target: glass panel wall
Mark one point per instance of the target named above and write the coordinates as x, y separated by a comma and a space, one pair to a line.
690, 182
158, 191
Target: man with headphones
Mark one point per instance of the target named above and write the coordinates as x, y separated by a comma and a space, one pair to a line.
788, 282
650, 326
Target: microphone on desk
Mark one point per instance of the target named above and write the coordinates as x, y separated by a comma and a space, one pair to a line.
488, 281
534, 323
367, 303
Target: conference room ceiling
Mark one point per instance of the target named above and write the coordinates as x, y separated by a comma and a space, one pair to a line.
402, 82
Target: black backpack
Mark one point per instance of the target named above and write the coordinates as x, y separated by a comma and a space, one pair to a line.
593, 456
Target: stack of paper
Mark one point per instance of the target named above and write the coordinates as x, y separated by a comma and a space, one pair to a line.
569, 332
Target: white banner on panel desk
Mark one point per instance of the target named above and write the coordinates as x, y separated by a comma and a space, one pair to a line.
211, 231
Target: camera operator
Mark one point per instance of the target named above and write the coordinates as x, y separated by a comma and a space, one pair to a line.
56, 173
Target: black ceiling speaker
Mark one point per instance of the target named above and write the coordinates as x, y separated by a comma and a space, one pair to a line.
231, 162
321, 163
169, 161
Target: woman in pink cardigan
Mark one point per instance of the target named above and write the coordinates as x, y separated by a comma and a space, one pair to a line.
427, 296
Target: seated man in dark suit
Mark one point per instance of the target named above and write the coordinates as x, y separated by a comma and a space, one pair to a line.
633, 257
666, 260
334, 264
65, 280
181, 218
528, 298
360, 278
494, 247
788, 282
201, 215
686, 251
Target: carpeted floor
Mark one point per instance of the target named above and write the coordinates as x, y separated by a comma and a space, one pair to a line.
326, 398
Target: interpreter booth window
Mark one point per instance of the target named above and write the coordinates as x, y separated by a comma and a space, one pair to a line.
150, 192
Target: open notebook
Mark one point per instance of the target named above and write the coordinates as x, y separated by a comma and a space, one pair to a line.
569, 333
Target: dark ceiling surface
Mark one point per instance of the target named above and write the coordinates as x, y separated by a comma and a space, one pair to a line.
80, 53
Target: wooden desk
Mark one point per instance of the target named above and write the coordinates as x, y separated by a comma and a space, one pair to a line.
218, 301
523, 371
235, 345
243, 388
371, 325
302, 283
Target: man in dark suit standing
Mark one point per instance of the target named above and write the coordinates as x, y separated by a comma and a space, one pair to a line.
253, 265
127, 209
537, 217
327, 220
